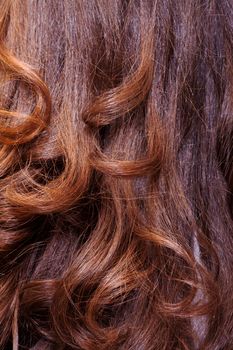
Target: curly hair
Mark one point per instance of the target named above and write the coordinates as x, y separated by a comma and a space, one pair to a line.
116, 174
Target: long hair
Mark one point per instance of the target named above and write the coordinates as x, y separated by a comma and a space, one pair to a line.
116, 174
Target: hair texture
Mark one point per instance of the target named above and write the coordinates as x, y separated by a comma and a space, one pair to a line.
116, 174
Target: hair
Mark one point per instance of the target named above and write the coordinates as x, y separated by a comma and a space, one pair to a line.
116, 174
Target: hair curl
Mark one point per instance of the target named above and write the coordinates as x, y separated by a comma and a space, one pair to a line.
116, 174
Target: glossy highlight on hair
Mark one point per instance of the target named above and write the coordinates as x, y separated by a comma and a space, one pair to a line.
116, 174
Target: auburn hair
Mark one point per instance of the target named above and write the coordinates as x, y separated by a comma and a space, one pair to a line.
116, 174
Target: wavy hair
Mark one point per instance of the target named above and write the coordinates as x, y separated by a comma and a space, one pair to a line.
116, 174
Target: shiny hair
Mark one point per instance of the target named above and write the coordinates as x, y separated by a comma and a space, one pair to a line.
116, 174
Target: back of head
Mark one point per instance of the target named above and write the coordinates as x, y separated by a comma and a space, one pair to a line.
116, 174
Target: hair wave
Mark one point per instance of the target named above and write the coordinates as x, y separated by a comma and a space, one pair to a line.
116, 175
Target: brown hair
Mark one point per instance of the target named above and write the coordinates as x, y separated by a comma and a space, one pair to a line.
116, 174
